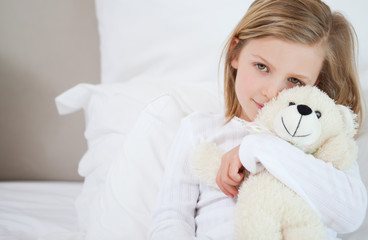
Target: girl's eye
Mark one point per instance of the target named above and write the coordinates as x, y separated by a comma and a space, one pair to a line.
262, 67
295, 81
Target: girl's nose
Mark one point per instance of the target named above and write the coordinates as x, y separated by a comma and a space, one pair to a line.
271, 90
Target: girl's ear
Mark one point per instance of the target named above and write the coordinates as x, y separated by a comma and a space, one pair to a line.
234, 57
233, 43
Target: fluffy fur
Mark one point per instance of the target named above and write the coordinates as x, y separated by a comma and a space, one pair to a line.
266, 208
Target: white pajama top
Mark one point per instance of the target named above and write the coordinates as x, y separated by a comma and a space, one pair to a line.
189, 209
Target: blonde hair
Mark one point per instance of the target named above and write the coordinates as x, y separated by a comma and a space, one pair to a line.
301, 21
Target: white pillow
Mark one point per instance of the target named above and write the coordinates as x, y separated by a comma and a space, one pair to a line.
122, 209
118, 142
108, 107
181, 41
110, 112
114, 108
168, 41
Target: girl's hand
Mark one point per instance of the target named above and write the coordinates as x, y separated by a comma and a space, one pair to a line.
230, 174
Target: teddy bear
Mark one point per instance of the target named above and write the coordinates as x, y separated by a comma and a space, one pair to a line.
309, 119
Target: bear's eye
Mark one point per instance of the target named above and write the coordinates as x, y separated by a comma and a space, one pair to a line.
318, 113
291, 103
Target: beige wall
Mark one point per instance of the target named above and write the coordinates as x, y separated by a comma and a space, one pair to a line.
46, 47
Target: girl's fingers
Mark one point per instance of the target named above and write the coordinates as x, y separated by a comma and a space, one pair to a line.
226, 184
229, 181
229, 175
234, 173
221, 182
224, 189
227, 193
228, 190
230, 187
232, 190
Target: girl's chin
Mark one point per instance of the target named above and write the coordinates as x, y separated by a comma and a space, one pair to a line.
246, 118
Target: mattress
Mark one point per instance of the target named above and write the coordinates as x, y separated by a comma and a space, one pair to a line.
38, 210
46, 211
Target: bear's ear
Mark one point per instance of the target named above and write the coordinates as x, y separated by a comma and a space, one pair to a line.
349, 119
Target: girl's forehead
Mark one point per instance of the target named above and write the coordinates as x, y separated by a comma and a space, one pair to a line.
275, 44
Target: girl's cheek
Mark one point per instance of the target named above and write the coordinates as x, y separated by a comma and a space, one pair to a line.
290, 85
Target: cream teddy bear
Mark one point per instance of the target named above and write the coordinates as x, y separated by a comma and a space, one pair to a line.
266, 208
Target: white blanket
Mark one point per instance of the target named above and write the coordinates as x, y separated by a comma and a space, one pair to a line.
38, 210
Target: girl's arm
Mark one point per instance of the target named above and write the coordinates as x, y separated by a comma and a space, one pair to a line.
173, 217
339, 197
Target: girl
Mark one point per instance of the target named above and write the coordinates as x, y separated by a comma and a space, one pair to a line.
278, 44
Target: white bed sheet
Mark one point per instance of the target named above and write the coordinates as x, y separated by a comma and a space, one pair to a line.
38, 210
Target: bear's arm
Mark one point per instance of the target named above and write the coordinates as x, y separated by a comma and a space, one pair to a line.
339, 197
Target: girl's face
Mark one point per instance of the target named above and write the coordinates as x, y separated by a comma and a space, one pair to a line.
265, 66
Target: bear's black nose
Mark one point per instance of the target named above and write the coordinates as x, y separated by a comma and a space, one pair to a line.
304, 109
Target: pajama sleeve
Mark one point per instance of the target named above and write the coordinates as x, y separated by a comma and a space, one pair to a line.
174, 215
339, 197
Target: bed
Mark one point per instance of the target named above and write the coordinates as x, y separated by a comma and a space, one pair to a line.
159, 62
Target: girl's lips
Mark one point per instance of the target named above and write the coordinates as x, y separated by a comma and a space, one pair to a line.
259, 105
